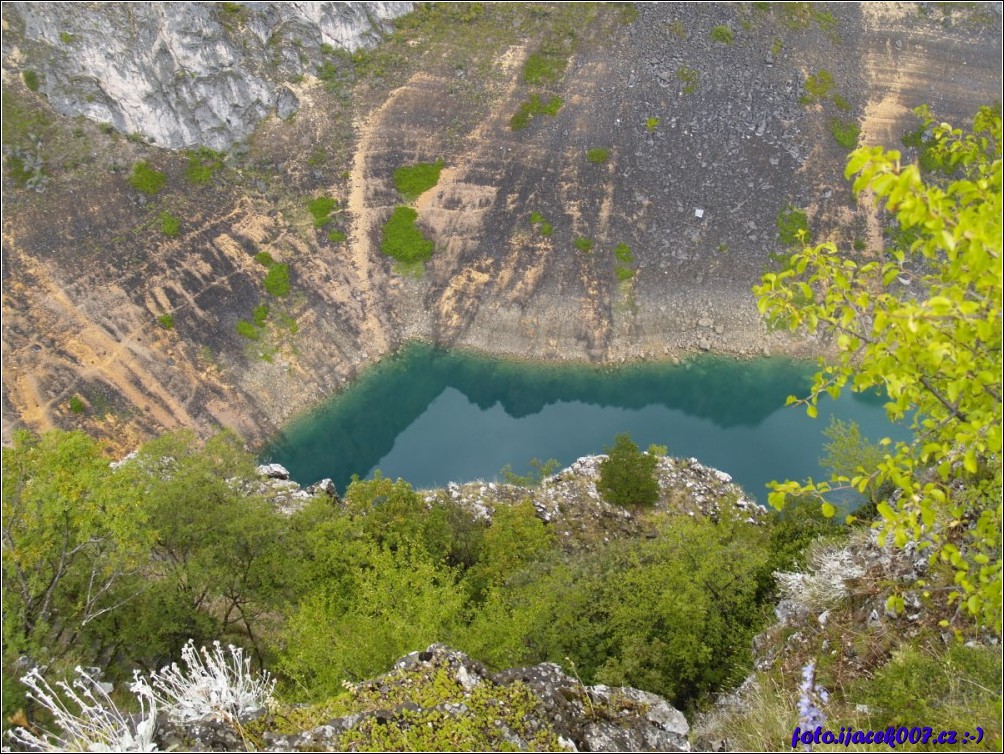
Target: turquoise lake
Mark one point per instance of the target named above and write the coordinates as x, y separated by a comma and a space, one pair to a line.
433, 416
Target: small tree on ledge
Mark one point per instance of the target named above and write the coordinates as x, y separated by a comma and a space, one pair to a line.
627, 476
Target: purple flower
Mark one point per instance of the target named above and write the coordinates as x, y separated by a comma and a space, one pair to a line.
809, 714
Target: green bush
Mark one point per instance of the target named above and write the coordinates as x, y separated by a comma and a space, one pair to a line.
166, 321
145, 179
583, 244
260, 314
202, 163
627, 476
170, 225
793, 226
817, 86
651, 124
623, 273
403, 240
622, 253
722, 34
532, 108
264, 258
248, 330
414, 180
321, 208
277, 280
845, 132
336, 236
76, 404
31, 80
598, 155
689, 77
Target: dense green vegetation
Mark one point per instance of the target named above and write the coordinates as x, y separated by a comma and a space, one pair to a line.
202, 164
170, 225
722, 34
336, 592
532, 108
936, 350
277, 280
320, 209
792, 226
598, 155
403, 240
414, 180
844, 132
147, 180
627, 476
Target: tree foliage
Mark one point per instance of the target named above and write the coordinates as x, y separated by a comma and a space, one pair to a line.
627, 476
924, 324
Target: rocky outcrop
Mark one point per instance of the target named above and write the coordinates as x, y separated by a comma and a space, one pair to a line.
558, 710
184, 74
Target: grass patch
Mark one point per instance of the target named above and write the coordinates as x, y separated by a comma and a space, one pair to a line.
623, 254
248, 330
817, 87
651, 124
722, 34
845, 132
77, 405
166, 321
403, 240
31, 80
147, 180
264, 258
678, 29
277, 280
841, 103
260, 314
336, 236
624, 257
414, 180
66, 38
170, 225
202, 163
544, 67
690, 79
598, 155
532, 108
792, 226
320, 209
537, 219
583, 244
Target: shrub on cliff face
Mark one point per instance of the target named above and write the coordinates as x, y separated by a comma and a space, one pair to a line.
934, 347
627, 476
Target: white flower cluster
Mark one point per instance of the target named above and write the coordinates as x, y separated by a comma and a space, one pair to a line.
825, 584
97, 725
217, 684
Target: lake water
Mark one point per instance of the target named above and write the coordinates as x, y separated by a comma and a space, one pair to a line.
432, 417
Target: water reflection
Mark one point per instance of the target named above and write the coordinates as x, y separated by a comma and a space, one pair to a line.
431, 416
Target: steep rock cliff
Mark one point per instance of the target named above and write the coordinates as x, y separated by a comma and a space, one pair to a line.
184, 74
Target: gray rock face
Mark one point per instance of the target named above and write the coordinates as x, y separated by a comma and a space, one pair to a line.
183, 74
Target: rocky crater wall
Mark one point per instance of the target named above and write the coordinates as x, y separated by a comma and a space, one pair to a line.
184, 74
